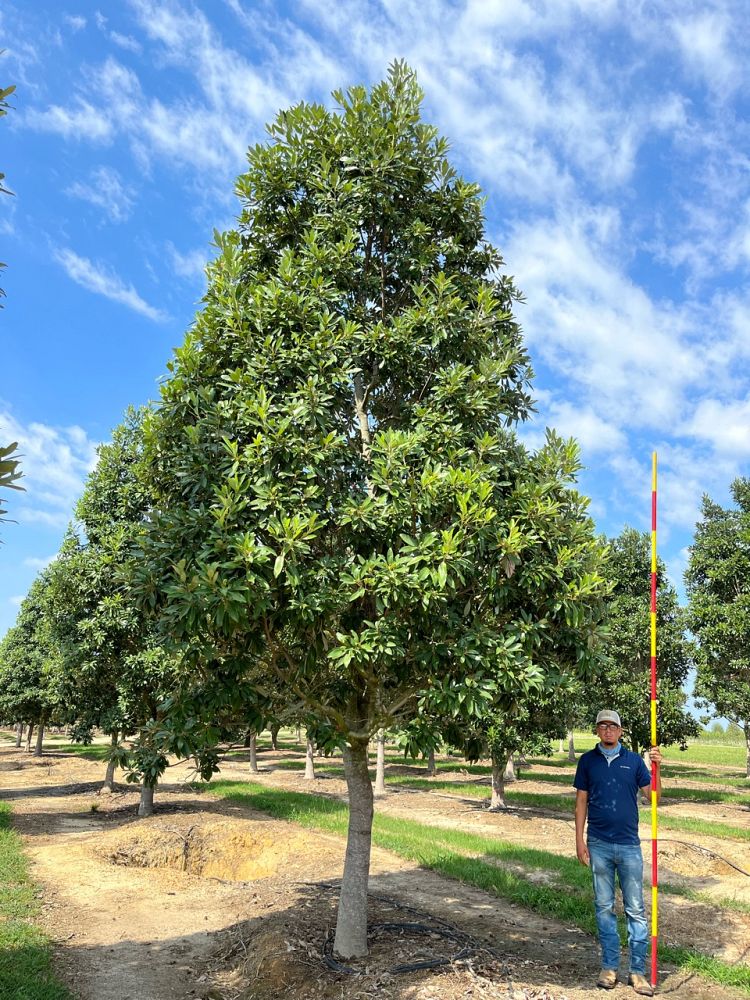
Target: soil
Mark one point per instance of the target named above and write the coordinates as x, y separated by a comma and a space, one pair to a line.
212, 900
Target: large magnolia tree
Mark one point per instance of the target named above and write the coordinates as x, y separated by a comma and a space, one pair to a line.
718, 586
340, 493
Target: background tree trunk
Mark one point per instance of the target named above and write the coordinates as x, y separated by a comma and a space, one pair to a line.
19, 734
497, 802
310, 760
109, 778
561, 748
571, 746
275, 737
253, 745
510, 770
146, 805
380, 764
747, 752
39, 740
351, 922
29, 731
299, 734
431, 765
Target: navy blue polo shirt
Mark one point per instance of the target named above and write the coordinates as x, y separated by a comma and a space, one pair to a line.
613, 793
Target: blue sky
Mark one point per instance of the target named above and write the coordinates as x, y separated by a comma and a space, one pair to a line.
611, 139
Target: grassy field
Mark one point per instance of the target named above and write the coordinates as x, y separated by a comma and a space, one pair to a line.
25, 968
496, 867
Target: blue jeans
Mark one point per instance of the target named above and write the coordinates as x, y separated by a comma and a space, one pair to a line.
627, 861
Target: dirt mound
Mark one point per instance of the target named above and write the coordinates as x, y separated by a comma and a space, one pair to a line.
236, 851
693, 861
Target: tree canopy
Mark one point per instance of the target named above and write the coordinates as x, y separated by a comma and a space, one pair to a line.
624, 682
339, 492
718, 586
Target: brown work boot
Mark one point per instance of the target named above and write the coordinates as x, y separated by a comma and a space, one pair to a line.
640, 984
607, 979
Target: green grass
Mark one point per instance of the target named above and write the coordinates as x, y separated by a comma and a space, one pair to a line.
474, 859
95, 751
25, 952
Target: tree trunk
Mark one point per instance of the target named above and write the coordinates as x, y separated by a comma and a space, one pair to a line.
310, 761
747, 753
146, 805
275, 737
510, 770
299, 734
380, 764
253, 745
29, 731
636, 746
497, 802
109, 778
39, 740
19, 734
561, 748
431, 765
351, 922
571, 746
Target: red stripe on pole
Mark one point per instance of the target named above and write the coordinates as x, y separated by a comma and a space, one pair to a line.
654, 968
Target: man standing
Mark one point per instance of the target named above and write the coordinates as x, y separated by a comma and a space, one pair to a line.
607, 782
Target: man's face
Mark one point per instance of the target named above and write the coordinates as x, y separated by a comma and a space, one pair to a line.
609, 733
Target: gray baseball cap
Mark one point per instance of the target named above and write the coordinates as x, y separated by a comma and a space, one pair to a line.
606, 716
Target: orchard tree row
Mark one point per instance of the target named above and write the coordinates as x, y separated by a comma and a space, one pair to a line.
329, 519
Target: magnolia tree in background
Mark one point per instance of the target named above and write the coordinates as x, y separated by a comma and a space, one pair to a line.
718, 587
113, 674
340, 493
29, 667
624, 683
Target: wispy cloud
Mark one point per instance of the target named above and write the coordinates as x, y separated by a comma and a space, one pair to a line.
102, 280
75, 21
55, 462
34, 562
105, 190
191, 265
80, 121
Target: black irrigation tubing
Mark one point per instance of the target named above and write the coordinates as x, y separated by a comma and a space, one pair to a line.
701, 850
438, 926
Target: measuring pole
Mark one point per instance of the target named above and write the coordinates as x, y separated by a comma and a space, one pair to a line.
654, 767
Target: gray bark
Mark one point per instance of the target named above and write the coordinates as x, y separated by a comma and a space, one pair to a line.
497, 802
431, 765
29, 731
747, 753
510, 770
39, 740
109, 778
380, 764
560, 748
275, 737
310, 761
351, 923
19, 734
571, 746
146, 805
253, 746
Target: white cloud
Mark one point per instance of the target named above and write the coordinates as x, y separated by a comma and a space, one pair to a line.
126, 42
17, 600
725, 424
55, 462
74, 21
34, 562
190, 265
101, 280
81, 121
105, 190
705, 43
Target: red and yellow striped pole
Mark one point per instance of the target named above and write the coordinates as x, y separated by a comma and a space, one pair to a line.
654, 767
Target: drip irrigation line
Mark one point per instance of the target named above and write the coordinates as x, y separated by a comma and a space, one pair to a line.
467, 944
